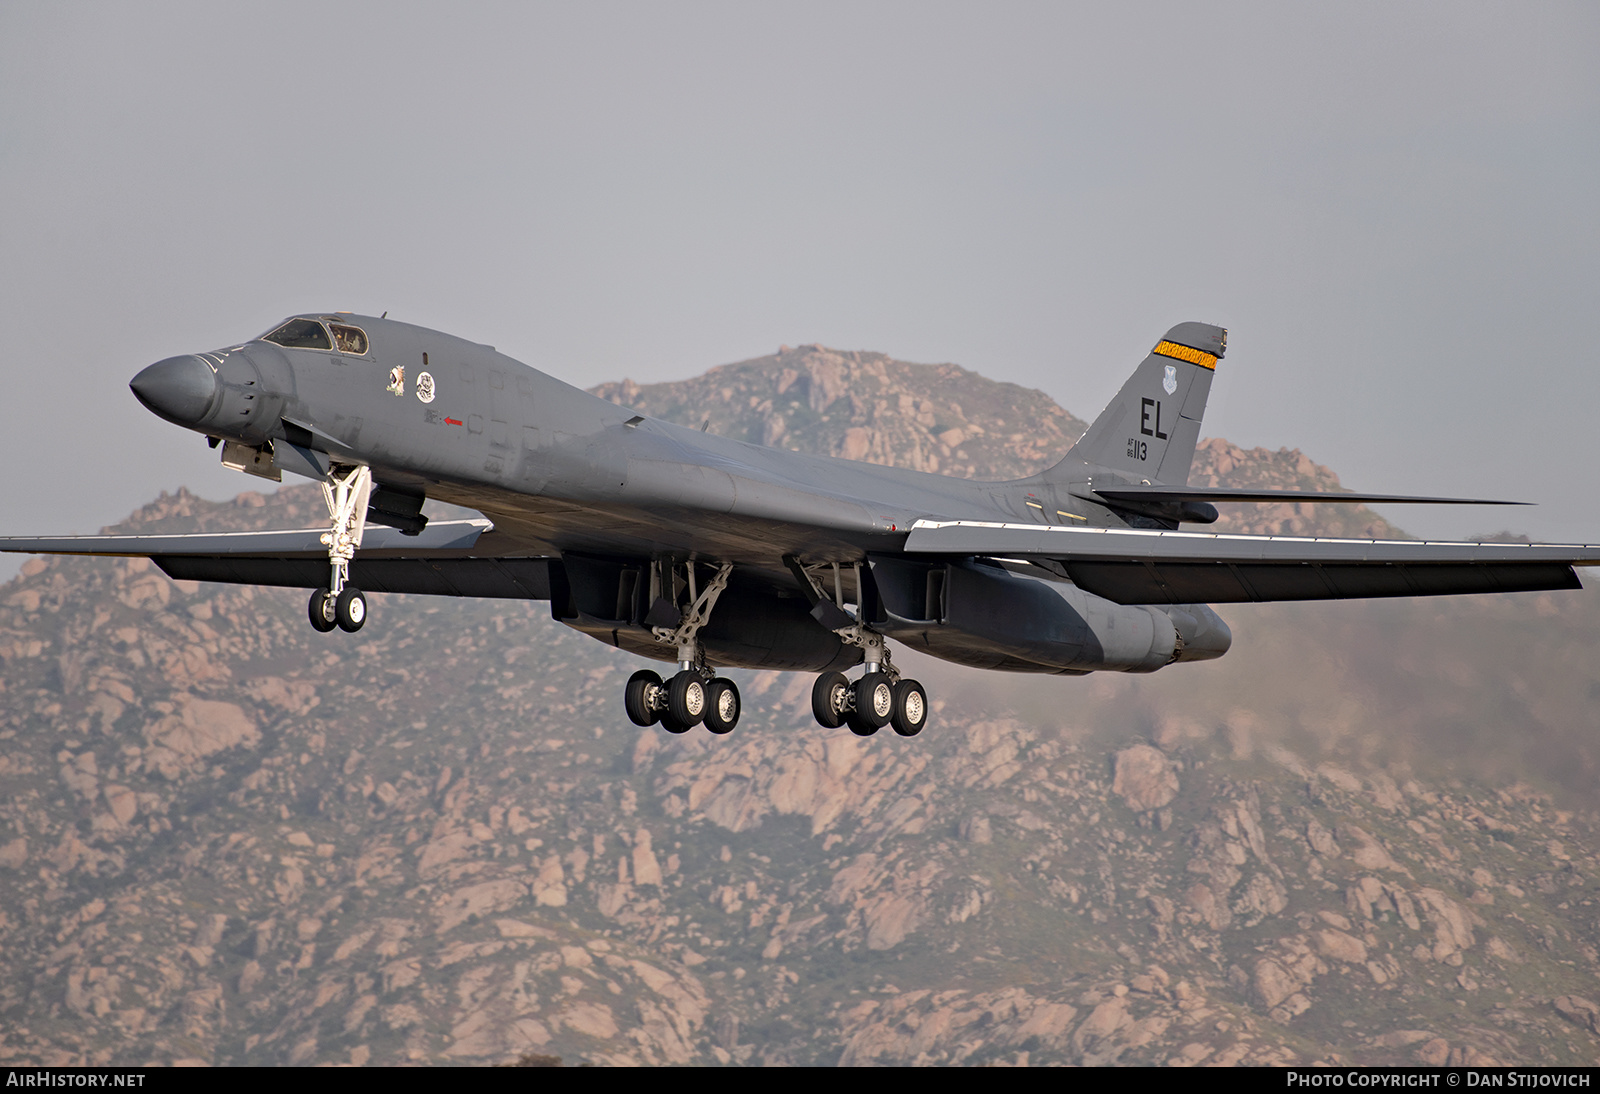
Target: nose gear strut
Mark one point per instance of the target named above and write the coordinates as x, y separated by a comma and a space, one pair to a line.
338, 603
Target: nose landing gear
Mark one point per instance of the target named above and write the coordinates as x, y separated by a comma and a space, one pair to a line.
338, 603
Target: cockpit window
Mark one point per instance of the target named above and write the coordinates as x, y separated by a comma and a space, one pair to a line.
349, 339
300, 334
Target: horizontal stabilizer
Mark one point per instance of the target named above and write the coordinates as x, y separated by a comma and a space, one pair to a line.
1142, 493
439, 535
1140, 566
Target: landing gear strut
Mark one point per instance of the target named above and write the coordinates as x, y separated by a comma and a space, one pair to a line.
338, 603
880, 697
695, 694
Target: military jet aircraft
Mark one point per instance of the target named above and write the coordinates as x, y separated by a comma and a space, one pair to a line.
687, 547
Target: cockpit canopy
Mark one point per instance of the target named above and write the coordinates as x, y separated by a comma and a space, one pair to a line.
312, 334
300, 334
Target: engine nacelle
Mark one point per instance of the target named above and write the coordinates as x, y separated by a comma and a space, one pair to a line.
977, 612
751, 626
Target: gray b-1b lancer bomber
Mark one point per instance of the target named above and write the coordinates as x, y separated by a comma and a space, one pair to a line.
691, 548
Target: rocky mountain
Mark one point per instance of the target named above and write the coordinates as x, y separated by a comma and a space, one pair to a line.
1367, 835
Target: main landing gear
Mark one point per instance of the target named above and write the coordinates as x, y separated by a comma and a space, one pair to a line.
685, 701
695, 695
880, 698
338, 603
872, 702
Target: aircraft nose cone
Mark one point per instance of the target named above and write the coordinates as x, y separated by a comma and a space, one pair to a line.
179, 389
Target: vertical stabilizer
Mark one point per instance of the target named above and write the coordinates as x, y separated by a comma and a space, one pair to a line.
1149, 431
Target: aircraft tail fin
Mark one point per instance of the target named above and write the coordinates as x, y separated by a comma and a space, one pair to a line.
1149, 431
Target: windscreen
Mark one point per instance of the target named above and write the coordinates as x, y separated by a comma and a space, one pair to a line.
301, 334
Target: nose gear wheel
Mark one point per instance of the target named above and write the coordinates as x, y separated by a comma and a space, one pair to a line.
321, 610
350, 609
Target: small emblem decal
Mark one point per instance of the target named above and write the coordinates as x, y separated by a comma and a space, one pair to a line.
397, 380
425, 390
1169, 382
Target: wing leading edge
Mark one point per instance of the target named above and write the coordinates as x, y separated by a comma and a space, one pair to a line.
1160, 493
439, 535
436, 561
1138, 566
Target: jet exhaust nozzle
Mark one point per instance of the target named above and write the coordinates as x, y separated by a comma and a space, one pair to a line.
179, 389
1204, 634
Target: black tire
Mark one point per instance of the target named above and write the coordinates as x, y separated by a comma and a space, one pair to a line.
350, 609
859, 726
910, 708
672, 725
320, 610
874, 699
722, 706
637, 696
830, 699
686, 698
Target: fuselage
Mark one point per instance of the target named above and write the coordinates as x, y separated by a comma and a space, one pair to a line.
529, 450
564, 473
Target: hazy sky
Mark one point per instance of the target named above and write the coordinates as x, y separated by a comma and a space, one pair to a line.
1393, 207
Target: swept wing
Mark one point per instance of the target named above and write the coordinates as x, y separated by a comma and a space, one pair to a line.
447, 558
1143, 566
